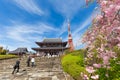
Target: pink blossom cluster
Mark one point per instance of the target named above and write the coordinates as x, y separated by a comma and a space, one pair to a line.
97, 65
105, 55
103, 35
90, 69
95, 77
85, 77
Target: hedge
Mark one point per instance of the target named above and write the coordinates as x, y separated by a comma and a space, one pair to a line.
73, 63
7, 56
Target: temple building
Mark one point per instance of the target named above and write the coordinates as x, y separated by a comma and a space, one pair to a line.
19, 51
52, 46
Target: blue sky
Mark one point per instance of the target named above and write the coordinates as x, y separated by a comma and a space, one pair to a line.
22, 22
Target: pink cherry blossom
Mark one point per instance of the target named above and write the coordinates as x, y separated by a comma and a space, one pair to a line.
90, 69
118, 45
103, 3
97, 65
99, 17
95, 77
117, 7
85, 77
118, 38
118, 27
117, 2
106, 60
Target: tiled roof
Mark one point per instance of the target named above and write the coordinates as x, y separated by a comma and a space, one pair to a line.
50, 48
19, 50
52, 40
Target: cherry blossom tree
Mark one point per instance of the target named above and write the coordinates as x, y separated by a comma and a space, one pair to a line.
103, 41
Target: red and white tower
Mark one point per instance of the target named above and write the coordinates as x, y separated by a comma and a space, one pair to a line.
70, 42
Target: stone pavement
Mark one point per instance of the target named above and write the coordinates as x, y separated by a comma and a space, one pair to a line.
45, 69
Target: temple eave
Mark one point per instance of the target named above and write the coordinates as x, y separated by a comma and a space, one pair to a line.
44, 49
43, 43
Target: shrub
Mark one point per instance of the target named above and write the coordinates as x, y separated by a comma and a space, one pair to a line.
7, 56
73, 63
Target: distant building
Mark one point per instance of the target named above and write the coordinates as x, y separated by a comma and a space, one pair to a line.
52, 46
19, 51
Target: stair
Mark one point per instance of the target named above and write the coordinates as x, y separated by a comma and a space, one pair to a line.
45, 69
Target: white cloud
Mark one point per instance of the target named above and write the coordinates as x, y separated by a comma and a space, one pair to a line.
67, 7
82, 26
13, 47
77, 35
87, 22
25, 32
25, 35
63, 28
6, 46
0, 36
29, 5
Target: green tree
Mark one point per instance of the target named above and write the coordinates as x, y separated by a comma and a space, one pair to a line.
2, 51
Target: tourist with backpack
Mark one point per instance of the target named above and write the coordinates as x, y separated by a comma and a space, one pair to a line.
16, 66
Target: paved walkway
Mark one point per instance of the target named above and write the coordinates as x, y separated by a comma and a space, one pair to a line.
45, 69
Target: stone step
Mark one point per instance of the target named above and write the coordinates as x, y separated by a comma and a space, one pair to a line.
45, 69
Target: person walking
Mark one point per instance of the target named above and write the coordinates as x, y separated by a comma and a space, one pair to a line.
16, 66
33, 61
28, 61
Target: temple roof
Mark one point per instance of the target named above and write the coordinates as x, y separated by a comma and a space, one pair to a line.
50, 40
44, 43
19, 50
50, 48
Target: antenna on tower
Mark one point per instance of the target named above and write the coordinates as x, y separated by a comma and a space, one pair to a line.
68, 20
69, 32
